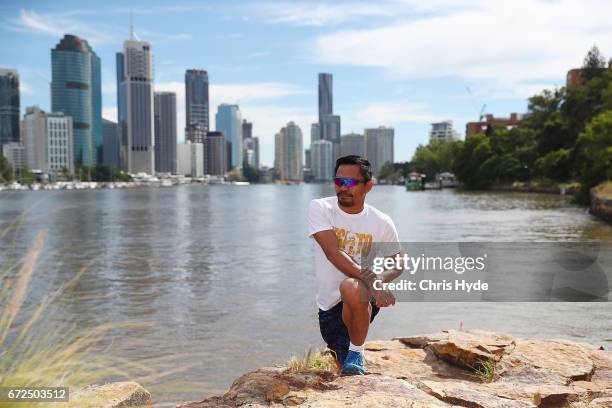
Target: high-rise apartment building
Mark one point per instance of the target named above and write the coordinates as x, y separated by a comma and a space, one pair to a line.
288, 152
76, 91
59, 144
48, 141
215, 154
135, 107
34, 128
443, 132
165, 132
315, 132
190, 159
352, 144
111, 143
322, 163
229, 121
9, 106
379, 147
197, 109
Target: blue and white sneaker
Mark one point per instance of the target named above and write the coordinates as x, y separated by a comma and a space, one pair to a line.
353, 364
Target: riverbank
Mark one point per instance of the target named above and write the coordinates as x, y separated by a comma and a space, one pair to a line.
539, 186
601, 201
445, 369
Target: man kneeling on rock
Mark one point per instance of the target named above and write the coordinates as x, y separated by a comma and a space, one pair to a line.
345, 229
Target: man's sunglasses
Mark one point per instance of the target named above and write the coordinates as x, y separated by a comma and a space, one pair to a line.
347, 181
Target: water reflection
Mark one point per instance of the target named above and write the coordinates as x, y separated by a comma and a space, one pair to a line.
226, 273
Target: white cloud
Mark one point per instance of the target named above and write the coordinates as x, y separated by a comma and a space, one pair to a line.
389, 114
109, 113
317, 14
57, 25
506, 42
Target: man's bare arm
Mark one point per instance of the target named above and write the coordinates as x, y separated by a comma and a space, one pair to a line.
328, 242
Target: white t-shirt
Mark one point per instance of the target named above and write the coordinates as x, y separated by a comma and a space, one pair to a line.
355, 233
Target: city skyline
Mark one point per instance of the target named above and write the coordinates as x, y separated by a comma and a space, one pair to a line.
268, 63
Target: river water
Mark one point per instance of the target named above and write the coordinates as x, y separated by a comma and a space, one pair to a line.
226, 274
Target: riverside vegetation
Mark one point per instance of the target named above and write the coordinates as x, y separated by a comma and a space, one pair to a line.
565, 137
37, 351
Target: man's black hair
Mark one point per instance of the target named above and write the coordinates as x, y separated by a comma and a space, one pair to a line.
365, 168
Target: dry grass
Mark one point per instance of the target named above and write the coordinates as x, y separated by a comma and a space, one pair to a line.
486, 370
36, 351
312, 361
604, 190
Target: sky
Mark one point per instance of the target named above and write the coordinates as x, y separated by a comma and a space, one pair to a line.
398, 63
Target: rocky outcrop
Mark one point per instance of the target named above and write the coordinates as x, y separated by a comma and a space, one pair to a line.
113, 395
601, 204
474, 369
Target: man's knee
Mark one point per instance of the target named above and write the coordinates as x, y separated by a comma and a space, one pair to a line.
353, 291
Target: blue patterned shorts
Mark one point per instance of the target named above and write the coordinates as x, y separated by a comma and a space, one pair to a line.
334, 332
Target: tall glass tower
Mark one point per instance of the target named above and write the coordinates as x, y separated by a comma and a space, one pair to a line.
135, 107
9, 106
229, 121
196, 98
76, 91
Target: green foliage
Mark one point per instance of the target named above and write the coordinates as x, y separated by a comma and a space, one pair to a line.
434, 158
24, 175
595, 153
565, 136
100, 173
250, 174
555, 165
486, 370
389, 173
594, 63
471, 155
6, 170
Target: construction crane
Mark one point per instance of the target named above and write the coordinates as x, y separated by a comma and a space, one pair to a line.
482, 109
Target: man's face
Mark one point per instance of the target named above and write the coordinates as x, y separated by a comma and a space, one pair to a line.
351, 196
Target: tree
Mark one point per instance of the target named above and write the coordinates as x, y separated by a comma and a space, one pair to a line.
470, 158
555, 165
6, 170
389, 173
594, 63
250, 174
595, 153
434, 158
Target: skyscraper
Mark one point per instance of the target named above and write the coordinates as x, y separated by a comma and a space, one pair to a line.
76, 91
321, 160
47, 139
443, 132
379, 147
35, 138
190, 159
353, 143
315, 132
288, 152
329, 124
326, 99
229, 121
112, 144
135, 106
196, 105
165, 132
215, 154
59, 144
9, 106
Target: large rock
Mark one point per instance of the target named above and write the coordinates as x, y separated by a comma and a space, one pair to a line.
438, 370
113, 395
